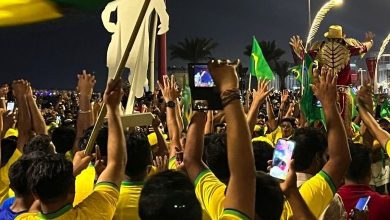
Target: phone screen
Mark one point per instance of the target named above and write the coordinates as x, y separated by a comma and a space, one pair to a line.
202, 77
362, 203
282, 158
10, 106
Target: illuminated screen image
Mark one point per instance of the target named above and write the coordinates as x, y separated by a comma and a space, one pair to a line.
282, 159
202, 77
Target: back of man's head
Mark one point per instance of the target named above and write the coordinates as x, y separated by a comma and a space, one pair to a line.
40, 143
169, 195
359, 170
263, 152
8, 147
51, 178
139, 155
18, 173
63, 138
269, 197
216, 155
311, 145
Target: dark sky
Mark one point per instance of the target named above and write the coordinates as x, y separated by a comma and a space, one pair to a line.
50, 54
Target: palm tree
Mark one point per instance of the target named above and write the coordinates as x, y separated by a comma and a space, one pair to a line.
271, 53
282, 68
193, 49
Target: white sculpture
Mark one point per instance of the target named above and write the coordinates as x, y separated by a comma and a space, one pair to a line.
127, 14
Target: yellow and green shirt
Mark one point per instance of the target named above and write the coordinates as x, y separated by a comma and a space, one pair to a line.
4, 179
172, 163
318, 193
127, 207
211, 195
85, 182
275, 135
101, 204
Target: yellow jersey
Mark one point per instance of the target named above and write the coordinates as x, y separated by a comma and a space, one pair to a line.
127, 207
275, 135
318, 193
85, 182
100, 205
172, 163
4, 179
388, 147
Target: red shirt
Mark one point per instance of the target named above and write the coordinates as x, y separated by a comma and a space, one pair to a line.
378, 206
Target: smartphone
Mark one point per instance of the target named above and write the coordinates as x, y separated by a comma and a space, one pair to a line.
10, 106
204, 93
281, 159
362, 203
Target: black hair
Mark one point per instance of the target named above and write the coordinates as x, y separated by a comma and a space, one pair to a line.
310, 143
216, 154
269, 197
18, 173
8, 147
360, 166
40, 142
139, 154
51, 177
101, 139
291, 120
169, 195
63, 138
263, 152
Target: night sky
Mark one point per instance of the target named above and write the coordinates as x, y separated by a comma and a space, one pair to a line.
50, 54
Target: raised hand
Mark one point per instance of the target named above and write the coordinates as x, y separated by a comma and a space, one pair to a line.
364, 97
297, 44
324, 86
161, 163
224, 74
4, 90
113, 94
86, 83
369, 36
284, 96
9, 119
262, 91
169, 88
19, 87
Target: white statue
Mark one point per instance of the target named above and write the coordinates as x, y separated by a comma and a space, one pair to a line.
127, 15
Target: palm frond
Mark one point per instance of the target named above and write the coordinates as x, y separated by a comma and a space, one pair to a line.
318, 19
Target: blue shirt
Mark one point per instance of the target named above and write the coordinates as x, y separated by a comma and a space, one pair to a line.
5, 210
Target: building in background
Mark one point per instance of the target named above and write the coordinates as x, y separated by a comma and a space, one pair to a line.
384, 71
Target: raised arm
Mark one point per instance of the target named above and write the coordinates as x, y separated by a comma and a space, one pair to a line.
170, 94
240, 193
259, 97
365, 105
24, 118
193, 150
85, 85
368, 40
3, 96
271, 116
38, 123
283, 103
338, 150
117, 156
298, 205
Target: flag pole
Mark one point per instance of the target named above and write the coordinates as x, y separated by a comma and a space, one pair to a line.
118, 72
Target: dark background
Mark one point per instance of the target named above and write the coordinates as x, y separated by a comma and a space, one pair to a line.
50, 54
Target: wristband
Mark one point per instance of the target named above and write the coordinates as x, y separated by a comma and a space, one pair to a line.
84, 112
230, 95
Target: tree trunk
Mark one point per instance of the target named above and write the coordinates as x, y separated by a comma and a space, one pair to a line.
283, 82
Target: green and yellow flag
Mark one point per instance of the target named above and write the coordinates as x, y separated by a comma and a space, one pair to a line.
258, 65
18, 12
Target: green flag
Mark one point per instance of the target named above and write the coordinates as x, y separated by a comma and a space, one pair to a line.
385, 109
258, 65
309, 107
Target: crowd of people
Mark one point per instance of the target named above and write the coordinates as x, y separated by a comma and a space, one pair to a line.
214, 167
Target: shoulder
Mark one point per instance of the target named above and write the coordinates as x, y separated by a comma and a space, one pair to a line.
353, 42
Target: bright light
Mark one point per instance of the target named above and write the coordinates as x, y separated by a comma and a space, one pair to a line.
339, 2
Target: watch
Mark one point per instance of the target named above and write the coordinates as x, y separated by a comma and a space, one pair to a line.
171, 104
